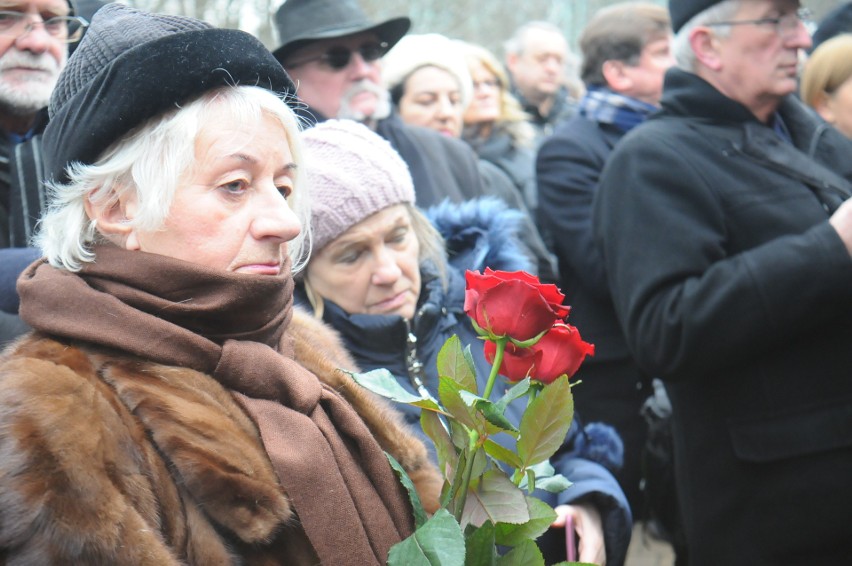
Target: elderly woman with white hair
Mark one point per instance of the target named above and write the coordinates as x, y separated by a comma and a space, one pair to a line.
171, 407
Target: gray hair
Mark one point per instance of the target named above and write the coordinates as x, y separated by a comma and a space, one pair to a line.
682, 50
515, 44
150, 162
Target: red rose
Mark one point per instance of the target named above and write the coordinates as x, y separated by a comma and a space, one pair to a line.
514, 304
559, 352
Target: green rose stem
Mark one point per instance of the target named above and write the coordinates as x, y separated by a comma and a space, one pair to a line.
473, 436
495, 367
473, 448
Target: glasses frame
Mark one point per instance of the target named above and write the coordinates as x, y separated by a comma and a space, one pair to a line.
369, 51
782, 28
22, 24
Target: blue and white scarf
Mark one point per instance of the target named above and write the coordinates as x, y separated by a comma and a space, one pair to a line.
601, 104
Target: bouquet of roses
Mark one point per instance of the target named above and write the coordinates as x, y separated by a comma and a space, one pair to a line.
487, 504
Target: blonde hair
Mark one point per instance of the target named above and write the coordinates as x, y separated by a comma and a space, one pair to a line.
513, 120
828, 67
150, 162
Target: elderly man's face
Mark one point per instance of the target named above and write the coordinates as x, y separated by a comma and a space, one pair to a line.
230, 212
539, 70
759, 63
356, 87
30, 61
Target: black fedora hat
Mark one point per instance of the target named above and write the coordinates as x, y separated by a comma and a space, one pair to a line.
300, 22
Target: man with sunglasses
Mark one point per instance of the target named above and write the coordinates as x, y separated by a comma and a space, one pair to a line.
333, 51
725, 223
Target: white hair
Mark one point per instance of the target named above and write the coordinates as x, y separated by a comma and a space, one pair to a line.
150, 162
682, 50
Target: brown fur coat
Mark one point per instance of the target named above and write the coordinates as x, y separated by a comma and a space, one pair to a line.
108, 459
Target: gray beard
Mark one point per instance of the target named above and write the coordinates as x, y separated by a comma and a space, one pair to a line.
383, 105
29, 95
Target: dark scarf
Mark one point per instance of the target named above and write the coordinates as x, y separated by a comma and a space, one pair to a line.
230, 326
602, 105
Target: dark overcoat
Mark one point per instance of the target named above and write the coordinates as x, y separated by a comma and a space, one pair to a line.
733, 286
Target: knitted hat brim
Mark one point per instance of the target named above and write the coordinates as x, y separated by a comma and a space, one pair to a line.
150, 79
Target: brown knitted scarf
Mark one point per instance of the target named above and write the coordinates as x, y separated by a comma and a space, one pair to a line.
230, 326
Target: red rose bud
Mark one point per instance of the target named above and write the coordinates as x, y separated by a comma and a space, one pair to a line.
559, 352
514, 304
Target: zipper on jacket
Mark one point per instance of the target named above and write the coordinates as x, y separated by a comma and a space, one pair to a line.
412, 363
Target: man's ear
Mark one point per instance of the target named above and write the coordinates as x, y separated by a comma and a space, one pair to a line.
113, 217
616, 78
706, 47
511, 61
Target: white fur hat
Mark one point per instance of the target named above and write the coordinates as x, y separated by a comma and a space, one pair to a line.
427, 50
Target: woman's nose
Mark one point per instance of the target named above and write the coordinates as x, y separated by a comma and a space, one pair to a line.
387, 270
274, 218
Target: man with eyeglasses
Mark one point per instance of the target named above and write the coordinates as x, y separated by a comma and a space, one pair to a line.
725, 223
34, 39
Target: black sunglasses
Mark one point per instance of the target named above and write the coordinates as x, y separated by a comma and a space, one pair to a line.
338, 57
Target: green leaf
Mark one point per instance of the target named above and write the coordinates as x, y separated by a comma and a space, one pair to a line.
453, 363
489, 410
546, 422
384, 383
480, 547
515, 392
496, 499
541, 517
501, 453
525, 554
419, 513
439, 542
434, 428
450, 393
554, 484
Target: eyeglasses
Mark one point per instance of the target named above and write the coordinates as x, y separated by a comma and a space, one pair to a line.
339, 57
66, 29
487, 83
786, 26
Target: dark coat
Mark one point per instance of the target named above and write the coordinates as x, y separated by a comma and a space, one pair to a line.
516, 162
444, 168
109, 459
22, 194
613, 389
732, 286
380, 341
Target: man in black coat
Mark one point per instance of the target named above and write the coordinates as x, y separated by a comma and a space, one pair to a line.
626, 51
725, 223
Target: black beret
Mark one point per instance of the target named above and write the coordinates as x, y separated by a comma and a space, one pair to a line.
132, 66
681, 11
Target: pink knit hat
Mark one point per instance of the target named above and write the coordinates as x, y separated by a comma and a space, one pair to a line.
352, 173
